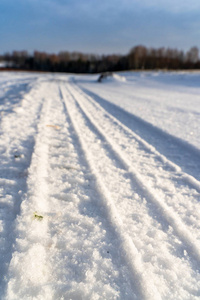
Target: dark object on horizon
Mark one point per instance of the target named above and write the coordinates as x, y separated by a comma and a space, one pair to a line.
104, 76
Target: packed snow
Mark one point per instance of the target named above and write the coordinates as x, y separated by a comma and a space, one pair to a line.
99, 186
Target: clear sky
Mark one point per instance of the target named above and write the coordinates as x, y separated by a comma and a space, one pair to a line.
98, 26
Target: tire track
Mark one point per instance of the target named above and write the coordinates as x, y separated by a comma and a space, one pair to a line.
65, 256
113, 163
132, 256
84, 262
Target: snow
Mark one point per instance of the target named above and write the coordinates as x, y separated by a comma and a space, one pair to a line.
99, 186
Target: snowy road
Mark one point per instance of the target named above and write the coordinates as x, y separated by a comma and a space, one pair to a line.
96, 201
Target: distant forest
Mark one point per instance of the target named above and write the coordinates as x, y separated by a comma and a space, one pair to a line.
139, 58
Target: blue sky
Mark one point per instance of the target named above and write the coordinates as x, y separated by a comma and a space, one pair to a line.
98, 26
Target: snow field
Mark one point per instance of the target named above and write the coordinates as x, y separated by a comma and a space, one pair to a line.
95, 203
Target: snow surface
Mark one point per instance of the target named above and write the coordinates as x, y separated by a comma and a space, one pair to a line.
99, 186
112, 77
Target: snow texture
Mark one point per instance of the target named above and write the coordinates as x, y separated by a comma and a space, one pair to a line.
99, 186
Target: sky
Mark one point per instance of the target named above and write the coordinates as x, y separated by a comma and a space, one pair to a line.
98, 26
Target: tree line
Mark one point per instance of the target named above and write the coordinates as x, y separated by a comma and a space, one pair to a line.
138, 58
